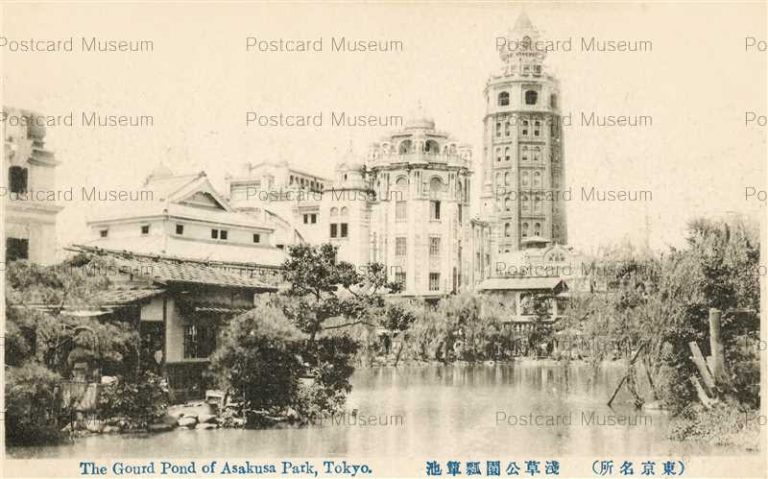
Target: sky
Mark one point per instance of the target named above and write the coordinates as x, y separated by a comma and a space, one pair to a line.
697, 84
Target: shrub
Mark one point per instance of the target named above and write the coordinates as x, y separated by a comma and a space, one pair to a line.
138, 402
30, 392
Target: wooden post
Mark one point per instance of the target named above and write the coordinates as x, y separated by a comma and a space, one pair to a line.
716, 346
701, 365
626, 376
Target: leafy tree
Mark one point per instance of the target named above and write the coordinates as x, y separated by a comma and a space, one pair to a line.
258, 359
45, 342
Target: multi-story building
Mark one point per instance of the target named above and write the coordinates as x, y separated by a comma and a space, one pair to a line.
405, 205
30, 195
523, 148
183, 216
421, 179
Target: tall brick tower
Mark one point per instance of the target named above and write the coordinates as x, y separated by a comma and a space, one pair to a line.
523, 147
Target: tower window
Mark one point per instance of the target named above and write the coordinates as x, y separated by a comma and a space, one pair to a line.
179, 229
344, 230
531, 97
506, 128
507, 230
498, 128
401, 210
313, 218
524, 129
553, 100
16, 248
506, 154
214, 234
434, 210
145, 229
256, 238
400, 246
223, 234
434, 281
17, 177
104, 233
503, 99
536, 128
434, 246
498, 154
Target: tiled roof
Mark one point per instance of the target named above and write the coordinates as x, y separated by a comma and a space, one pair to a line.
118, 296
121, 296
173, 270
521, 284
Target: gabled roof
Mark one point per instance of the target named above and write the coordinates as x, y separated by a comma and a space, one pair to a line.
179, 197
523, 284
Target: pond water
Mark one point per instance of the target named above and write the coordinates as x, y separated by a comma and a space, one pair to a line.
420, 411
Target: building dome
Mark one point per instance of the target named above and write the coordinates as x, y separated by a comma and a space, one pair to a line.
420, 123
160, 171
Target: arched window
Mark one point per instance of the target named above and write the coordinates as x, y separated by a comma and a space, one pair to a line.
537, 229
553, 100
524, 153
537, 204
506, 179
334, 211
498, 128
506, 128
401, 183
507, 230
537, 179
436, 185
537, 154
344, 211
498, 154
524, 230
506, 154
503, 99
531, 96
507, 204
498, 179
524, 178
432, 147
405, 147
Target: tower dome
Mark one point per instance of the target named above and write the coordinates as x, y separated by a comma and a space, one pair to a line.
160, 171
419, 120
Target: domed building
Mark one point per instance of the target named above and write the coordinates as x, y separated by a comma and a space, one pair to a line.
421, 180
404, 204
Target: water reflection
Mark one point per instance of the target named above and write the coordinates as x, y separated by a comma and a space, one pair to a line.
431, 411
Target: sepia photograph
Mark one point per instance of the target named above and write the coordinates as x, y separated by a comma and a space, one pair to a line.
383, 239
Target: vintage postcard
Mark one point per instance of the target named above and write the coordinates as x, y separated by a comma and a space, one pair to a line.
384, 239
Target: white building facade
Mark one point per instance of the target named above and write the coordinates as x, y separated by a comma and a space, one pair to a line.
405, 205
29, 194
